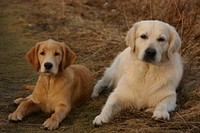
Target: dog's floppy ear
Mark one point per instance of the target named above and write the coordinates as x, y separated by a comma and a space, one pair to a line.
68, 57
131, 35
175, 42
32, 57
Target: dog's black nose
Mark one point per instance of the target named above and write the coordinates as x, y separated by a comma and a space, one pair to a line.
150, 54
48, 65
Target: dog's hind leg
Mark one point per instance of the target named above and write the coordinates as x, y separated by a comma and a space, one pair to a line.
20, 100
101, 85
28, 87
108, 80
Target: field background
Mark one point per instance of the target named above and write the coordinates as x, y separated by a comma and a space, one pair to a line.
95, 30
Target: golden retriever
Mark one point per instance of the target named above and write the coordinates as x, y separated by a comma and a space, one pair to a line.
146, 74
60, 87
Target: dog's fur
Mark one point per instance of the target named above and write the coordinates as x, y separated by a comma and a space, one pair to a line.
60, 87
146, 74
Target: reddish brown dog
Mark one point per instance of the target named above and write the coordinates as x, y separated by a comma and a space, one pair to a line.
60, 87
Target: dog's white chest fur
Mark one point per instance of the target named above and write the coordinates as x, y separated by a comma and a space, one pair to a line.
141, 82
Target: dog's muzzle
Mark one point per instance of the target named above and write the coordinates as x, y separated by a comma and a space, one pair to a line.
150, 55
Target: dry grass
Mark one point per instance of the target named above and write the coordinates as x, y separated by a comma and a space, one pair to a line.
95, 30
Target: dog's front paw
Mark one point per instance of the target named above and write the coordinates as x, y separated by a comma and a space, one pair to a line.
161, 114
100, 119
15, 116
51, 124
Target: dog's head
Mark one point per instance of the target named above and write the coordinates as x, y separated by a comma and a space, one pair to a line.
153, 41
50, 57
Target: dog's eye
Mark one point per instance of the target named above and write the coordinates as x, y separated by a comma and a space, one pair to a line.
143, 36
161, 39
56, 54
42, 53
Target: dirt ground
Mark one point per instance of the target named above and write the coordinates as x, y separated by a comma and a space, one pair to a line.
95, 31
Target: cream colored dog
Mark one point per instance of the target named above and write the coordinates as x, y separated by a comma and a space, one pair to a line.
60, 87
146, 74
